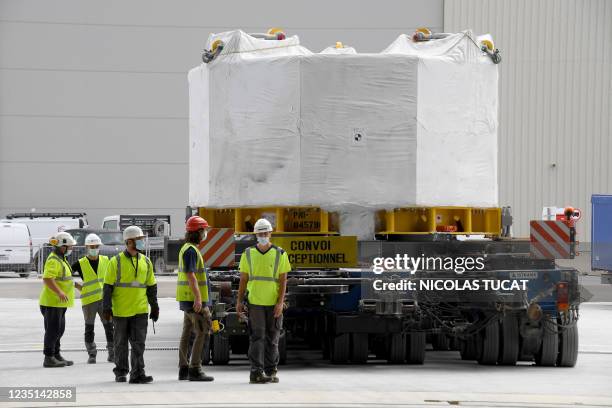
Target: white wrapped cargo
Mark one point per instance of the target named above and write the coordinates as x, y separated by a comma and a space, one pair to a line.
272, 124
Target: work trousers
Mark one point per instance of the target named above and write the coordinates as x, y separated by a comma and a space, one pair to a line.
133, 330
264, 333
55, 323
198, 324
89, 314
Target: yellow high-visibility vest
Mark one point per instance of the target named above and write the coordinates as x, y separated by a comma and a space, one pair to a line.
59, 270
183, 291
92, 283
264, 270
130, 277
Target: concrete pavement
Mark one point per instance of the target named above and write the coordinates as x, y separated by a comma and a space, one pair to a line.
307, 380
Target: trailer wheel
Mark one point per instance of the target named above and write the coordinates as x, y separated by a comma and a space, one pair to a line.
397, 348
440, 341
547, 355
282, 348
340, 347
468, 348
454, 343
379, 348
159, 265
415, 347
359, 350
220, 350
509, 341
568, 346
206, 351
488, 343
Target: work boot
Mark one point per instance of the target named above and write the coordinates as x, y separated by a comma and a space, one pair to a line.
120, 378
51, 361
273, 376
141, 379
183, 373
59, 357
91, 359
196, 374
258, 377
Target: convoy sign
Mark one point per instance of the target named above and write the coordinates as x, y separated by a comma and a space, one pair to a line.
319, 252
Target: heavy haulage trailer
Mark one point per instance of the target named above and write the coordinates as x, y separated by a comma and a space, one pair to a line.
357, 156
334, 309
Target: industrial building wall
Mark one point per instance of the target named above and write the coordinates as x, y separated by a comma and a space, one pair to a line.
555, 107
93, 95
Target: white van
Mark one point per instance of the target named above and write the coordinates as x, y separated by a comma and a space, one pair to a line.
43, 226
15, 248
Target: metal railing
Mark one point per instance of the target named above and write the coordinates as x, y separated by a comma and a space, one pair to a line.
154, 250
16, 259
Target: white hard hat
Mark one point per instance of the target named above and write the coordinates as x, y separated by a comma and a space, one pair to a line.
132, 232
93, 239
61, 239
263, 225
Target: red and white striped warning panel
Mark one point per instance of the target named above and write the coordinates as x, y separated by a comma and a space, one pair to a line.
219, 247
550, 240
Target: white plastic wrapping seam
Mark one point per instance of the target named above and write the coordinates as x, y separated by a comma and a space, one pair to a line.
239, 42
341, 50
459, 47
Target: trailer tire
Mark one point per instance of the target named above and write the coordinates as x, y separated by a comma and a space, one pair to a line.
396, 353
468, 349
440, 341
282, 348
380, 348
206, 351
159, 265
220, 349
509, 341
340, 348
415, 350
568, 346
547, 355
359, 349
488, 343
454, 343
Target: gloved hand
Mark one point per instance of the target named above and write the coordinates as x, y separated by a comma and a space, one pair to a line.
107, 314
154, 314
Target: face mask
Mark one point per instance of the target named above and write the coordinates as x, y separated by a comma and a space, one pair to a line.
263, 240
203, 235
140, 245
93, 251
68, 253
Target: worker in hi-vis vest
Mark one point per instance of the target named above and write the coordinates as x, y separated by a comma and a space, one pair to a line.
92, 268
263, 275
192, 295
56, 296
129, 288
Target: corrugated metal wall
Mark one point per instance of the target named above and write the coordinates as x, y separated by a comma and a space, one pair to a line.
555, 140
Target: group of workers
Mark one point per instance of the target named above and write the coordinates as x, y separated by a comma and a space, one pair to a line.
122, 291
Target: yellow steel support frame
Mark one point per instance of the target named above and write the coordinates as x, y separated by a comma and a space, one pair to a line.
451, 220
288, 220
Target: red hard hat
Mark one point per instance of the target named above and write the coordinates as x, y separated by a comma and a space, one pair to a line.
195, 223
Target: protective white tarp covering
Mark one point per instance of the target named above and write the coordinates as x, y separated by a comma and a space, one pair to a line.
339, 50
273, 124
